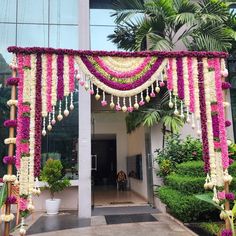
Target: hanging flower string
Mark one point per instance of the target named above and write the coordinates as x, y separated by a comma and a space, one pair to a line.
180, 80
49, 82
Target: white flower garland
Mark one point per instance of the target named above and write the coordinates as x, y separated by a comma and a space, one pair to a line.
10, 141
44, 85
12, 102
54, 80
121, 64
32, 124
209, 122
196, 88
212, 86
119, 93
7, 218
24, 174
9, 178
186, 82
219, 169
66, 76
26, 87
175, 77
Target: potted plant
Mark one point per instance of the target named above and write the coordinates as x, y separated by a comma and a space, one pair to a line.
52, 175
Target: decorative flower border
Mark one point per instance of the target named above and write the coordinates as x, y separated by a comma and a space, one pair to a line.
35, 50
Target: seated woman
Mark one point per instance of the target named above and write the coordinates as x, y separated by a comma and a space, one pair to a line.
121, 180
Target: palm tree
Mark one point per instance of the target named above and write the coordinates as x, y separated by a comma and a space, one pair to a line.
157, 111
163, 24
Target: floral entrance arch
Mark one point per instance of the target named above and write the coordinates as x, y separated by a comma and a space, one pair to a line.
46, 76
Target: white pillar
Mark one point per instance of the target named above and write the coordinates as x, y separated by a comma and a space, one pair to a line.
84, 153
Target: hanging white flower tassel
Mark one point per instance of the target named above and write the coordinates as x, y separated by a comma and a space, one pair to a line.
124, 107
181, 110
30, 206
141, 102
152, 94
59, 117
176, 112
171, 105
82, 82
77, 76
22, 227
130, 108
162, 84
112, 104
97, 96
86, 86
208, 183
44, 132
71, 101
157, 88
66, 111
188, 118
103, 102
49, 127
53, 116
193, 121
147, 98
198, 127
136, 105
227, 178
215, 198
118, 107
91, 91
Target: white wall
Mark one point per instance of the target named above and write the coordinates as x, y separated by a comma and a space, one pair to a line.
136, 145
113, 123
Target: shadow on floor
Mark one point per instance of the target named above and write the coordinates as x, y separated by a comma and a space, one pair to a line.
58, 222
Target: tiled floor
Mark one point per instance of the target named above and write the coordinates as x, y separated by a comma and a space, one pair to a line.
108, 195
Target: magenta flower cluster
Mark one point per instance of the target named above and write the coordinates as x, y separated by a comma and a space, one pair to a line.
226, 232
11, 200
230, 196
179, 63
227, 123
226, 85
9, 160
10, 123
13, 81
60, 82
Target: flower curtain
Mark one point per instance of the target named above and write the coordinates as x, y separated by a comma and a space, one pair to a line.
46, 76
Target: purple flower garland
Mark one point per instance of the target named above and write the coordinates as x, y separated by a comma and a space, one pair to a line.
25, 127
10, 123
38, 121
203, 116
35, 50
60, 81
11, 200
179, 63
215, 126
13, 81
119, 86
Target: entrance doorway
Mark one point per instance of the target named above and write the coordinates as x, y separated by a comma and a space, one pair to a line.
104, 162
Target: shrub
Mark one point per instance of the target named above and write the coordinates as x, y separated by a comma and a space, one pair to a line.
187, 208
52, 174
178, 151
185, 184
191, 168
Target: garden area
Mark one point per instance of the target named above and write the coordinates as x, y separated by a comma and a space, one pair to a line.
182, 169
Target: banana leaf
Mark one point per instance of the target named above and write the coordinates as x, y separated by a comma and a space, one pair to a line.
208, 198
3, 194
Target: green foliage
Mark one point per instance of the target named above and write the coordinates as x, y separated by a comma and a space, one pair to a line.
207, 197
206, 25
185, 184
52, 174
3, 195
211, 227
191, 168
154, 112
178, 151
187, 208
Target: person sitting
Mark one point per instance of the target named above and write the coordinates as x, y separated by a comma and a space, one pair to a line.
121, 180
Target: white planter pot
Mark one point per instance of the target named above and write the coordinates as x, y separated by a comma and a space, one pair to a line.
52, 206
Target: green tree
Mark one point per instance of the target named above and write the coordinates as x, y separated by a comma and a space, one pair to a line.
164, 24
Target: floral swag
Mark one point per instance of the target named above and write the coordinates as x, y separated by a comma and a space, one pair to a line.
46, 76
